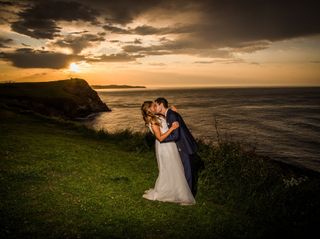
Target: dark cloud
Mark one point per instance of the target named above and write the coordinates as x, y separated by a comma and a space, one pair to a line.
221, 28
41, 15
235, 26
125, 11
222, 21
137, 41
117, 30
37, 29
232, 22
120, 57
183, 46
147, 50
23, 44
227, 22
29, 58
40, 19
6, 3
5, 42
78, 42
79, 32
8, 11
148, 30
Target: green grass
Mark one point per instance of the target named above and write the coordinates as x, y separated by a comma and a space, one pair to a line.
61, 180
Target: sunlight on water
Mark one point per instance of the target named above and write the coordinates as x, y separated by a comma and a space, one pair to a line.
281, 122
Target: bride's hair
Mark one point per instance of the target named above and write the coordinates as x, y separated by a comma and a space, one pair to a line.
148, 115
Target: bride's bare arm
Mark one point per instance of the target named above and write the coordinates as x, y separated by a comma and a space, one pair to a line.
161, 136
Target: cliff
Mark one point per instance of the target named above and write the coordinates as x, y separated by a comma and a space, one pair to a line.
69, 99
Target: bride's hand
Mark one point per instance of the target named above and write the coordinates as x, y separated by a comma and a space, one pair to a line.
175, 125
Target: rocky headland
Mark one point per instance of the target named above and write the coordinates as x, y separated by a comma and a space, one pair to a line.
68, 99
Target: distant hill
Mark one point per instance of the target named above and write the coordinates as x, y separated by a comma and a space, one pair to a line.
115, 86
70, 99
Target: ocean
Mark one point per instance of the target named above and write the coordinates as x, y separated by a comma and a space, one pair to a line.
283, 123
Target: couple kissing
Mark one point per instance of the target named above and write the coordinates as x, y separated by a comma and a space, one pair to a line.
175, 153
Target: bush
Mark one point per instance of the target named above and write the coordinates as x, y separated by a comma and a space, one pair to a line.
284, 200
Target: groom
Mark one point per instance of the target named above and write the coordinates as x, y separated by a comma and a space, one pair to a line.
186, 144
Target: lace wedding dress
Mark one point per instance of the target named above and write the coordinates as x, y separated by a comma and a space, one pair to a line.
171, 184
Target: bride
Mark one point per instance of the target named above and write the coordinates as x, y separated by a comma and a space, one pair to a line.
171, 184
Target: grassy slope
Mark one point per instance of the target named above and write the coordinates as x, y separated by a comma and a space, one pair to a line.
58, 180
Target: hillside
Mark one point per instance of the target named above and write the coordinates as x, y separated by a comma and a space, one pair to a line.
64, 98
61, 180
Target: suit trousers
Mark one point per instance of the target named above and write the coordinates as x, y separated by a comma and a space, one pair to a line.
187, 165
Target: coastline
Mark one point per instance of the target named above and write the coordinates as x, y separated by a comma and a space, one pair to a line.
282, 123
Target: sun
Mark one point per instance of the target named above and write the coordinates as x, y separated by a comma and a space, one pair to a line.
74, 67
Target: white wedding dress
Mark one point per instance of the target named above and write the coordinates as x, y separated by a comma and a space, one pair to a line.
171, 184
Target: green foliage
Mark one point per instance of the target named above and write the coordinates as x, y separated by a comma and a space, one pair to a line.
60, 179
283, 200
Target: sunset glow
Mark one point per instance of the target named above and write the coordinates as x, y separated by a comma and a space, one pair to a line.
74, 68
168, 43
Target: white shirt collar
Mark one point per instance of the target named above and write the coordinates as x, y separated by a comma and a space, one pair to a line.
165, 113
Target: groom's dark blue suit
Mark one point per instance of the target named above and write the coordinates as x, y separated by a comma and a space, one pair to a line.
186, 144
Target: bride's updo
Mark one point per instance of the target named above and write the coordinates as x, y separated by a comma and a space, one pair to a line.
148, 116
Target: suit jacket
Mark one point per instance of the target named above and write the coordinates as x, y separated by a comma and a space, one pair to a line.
182, 136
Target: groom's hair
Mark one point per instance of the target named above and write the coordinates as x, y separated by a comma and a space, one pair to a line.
163, 101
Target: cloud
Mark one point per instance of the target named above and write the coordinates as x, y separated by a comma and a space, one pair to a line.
147, 50
204, 62
40, 14
120, 57
117, 30
227, 27
9, 10
5, 3
183, 46
226, 23
5, 42
137, 41
23, 44
40, 19
225, 61
231, 22
124, 11
29, 58
157, 64
220, 29
148, 30
78, 42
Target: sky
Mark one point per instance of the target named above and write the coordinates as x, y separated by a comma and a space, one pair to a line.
161, 43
